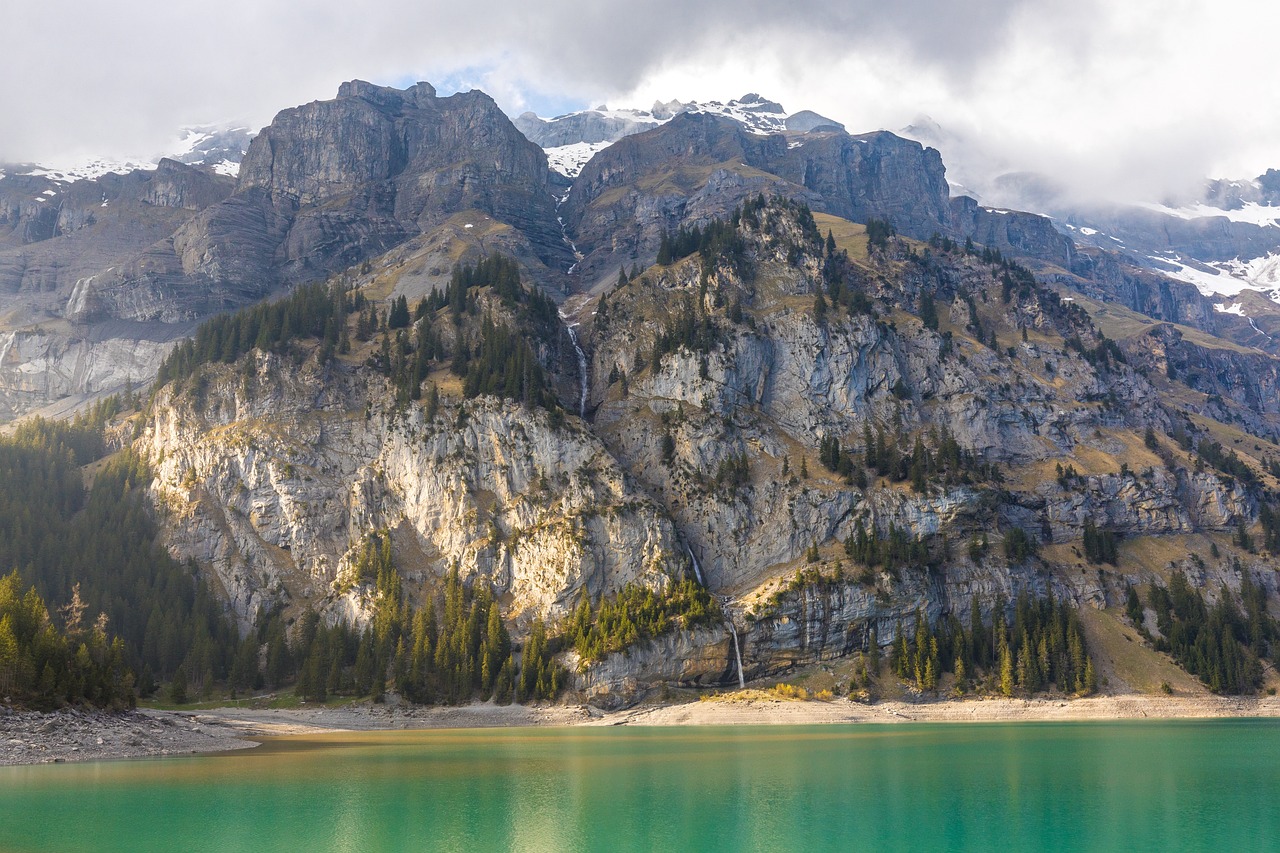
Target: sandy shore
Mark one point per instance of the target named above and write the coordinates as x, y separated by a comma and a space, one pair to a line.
760, 708
33, 738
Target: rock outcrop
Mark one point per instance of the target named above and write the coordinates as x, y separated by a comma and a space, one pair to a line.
273, 478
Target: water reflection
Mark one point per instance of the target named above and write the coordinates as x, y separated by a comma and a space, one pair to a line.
1132, 786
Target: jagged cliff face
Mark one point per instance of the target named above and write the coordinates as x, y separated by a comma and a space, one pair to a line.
770, 390
705, 461
702, 460
774, 389
398, 175
272, 477
332, 183
324, 188
698, 166
51, 368
69, 239
61, 241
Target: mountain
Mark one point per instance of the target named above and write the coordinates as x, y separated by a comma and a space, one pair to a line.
99, 276
831, 467
219, 147
738, 400
1223, 240
681, 163
572, 139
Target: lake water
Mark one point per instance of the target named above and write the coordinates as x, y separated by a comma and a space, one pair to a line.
1181, 785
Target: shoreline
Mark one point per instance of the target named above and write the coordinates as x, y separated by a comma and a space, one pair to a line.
29, 737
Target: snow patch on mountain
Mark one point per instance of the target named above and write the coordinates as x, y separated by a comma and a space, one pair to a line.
564, 136
753, 112
1251, 212
220, 147
90, 169
568, 160
1226, 278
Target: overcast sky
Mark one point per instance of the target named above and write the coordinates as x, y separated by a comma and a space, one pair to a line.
1126, 98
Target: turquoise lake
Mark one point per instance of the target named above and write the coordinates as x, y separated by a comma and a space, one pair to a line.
1159, 786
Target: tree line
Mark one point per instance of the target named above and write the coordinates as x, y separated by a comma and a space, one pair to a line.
99, 546
636, 613
311, 311
942, 461
1041, 647
453, 649
44, 666
1219, 644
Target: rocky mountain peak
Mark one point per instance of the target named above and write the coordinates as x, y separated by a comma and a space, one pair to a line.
417, 94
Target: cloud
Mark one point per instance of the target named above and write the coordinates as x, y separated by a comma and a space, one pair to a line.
1124, 95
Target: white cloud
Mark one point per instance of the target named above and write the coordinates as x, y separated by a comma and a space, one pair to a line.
1117, 98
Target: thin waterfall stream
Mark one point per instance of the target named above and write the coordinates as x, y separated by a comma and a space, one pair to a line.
582, 363
572, 327
737, 653
737, 650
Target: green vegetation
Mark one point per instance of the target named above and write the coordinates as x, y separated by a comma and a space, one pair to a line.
1099, 545
1105, 355
940, 461
103, 542
1019, 545
1218, 644
502, 275
44, 667
1227, 462
1041, 647
504, 365
879, 231
637, 613
500, 362
457, 648
454, 649
690, 328
1269, 518
895, 549
312, 311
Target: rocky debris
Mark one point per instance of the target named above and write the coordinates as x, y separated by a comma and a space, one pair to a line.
29, 737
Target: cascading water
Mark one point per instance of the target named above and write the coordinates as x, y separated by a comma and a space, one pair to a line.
564, 234
582, 363
733, 631
737, 654
697, 569
571, 327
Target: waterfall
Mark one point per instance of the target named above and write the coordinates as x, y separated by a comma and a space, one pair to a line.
733, 631
582, 364
697, 570
564, 234
573, 335
737, 654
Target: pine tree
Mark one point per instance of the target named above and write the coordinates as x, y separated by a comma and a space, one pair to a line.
178, 686
1006, 670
